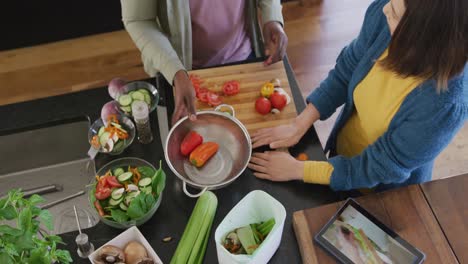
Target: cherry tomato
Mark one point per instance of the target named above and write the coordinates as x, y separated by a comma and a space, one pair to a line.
103, 193
202, 95
113, 182
213, 99
231, 88
263, 106
278, 100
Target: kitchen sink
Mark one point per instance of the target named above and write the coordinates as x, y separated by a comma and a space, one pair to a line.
53, 154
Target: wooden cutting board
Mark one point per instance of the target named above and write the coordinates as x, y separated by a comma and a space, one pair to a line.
251, 78
404, 210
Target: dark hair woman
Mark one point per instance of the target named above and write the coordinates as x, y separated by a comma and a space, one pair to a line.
404, 86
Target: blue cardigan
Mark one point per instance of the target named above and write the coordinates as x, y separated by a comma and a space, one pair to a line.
423, 126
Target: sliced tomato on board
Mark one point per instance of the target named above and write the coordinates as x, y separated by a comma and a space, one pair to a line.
202, 95
214, 99
231, 88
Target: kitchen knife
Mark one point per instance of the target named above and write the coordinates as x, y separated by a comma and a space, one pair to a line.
161, 108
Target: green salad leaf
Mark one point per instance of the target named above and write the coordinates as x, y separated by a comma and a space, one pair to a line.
145, 171
119, 215
140, 205
159, 180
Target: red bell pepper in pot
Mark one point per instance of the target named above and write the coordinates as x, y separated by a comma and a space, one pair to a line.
190, 142
203, 153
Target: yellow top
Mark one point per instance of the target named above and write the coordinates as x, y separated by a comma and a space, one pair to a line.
377, 98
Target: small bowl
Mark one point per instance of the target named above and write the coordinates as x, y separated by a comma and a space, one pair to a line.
124, 162
256, 206
125, 122
225, 166
120, 241
137, 85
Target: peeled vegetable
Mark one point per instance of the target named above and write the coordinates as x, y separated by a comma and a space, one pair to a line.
192, 245
135, 253
115, 87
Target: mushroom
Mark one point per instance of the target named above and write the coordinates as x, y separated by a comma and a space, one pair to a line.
110, 255
276, 82
135, 253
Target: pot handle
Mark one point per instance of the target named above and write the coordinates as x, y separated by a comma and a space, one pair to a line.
219, 107
193, 195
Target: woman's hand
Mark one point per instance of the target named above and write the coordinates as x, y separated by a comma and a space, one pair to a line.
184, 97
276, 166
285, 136
276, 42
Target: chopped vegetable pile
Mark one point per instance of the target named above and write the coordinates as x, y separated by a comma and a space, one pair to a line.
192, 245
205, 95
128, 193
246, 239
126, 100
111, 138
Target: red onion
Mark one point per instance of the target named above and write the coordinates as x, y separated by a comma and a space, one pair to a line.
116, 87
110, 108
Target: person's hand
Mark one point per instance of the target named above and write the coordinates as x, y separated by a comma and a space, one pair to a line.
276, 166
276, 42
285, 136
184, 97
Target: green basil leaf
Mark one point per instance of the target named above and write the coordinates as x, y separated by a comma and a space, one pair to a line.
146, 171
24, 242
5, 258
119, 215
25, 219
11, 250
8, 213
136, 210
55, 239
63, 256
36, 199
8, 230
39, 256
46, 218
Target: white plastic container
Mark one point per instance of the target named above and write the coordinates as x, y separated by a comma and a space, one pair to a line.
129, 235
256, 206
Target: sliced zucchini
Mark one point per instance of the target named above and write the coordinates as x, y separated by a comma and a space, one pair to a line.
138, 96
125, 100
116, 125
118, 171
148, 99
113, 202
117, 193
130, 93
126, 109
125, 176
101, 131
104, 138
147, 189
123, 206
144, 182
119, 145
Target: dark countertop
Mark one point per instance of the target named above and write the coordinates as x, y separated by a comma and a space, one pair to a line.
172, 216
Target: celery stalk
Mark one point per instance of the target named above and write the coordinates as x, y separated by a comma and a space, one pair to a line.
247, 239
192, 245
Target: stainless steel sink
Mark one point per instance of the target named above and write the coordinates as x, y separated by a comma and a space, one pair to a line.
54, 153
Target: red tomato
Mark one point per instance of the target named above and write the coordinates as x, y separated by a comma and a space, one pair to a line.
231, 88
263, 106
202, 95
278, 100
99, 208
190, 142
213, 99
103, 193
113, 182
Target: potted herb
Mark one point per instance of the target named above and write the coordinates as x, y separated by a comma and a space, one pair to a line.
24, 242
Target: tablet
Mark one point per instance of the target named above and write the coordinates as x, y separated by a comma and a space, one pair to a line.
353, 235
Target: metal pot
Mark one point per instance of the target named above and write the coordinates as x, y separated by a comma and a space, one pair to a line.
225, 166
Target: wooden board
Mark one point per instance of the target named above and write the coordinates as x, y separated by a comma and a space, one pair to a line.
404, 210
251, 78
448, 200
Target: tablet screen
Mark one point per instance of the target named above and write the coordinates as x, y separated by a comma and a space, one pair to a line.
362, 241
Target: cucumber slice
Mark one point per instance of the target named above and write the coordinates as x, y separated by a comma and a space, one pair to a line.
144, 91
113, 202
130, 93
118, 171
126, 109
138, 96
148, 99
119, 145
116, 125
101, 131
104, 138
144, 182
125, 176
117, 193
128, 199
123, 206
125, 100
147, 189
